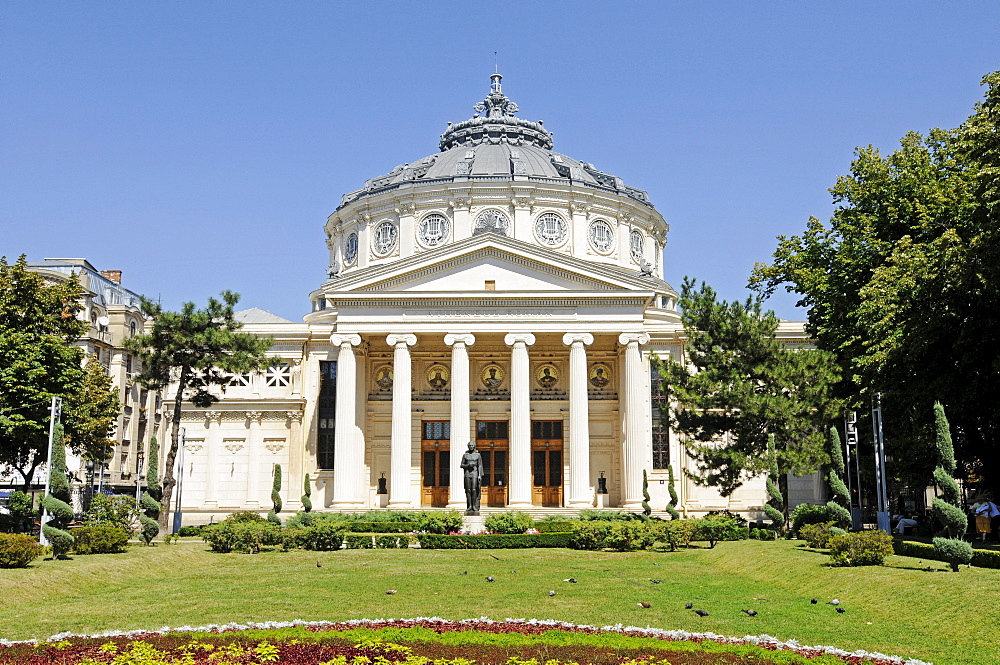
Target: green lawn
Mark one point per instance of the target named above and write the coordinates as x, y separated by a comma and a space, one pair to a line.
899, 608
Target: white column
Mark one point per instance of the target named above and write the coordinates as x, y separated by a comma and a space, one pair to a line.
461, 419
213, 442
633, 452
519, 474
253, 451
581, 494
296, 462
346, 456
401, 449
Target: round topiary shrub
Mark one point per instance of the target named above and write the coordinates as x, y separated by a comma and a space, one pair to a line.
954, 551
17, 550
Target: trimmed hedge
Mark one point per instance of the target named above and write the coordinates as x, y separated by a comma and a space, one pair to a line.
981, 558
100, 539
17, 550
250, 537
494, 541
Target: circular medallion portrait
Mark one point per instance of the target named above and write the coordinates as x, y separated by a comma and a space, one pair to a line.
492, 376
383, 377
547, 375
438, 376
600, 375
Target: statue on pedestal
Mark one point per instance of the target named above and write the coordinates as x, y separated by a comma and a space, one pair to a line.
472, 466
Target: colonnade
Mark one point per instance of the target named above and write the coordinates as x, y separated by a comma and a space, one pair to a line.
349, 487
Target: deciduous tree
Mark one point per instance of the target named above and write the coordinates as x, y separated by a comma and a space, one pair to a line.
738, 386
197, 351
38, 325
903, 285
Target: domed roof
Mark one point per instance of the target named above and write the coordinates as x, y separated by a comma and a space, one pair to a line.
492, 144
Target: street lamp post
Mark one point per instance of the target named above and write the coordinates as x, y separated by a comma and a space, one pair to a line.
138, 479
880, 490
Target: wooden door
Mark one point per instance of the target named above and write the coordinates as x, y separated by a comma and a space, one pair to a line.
547, 463
435, 452
493, 444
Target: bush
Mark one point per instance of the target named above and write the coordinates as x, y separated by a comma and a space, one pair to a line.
60, 541
440, 522
718, 527
679, 533
592, 514
17, 550
378, 527
954, 551
322, 536
985, 558
554, 526
513, 521
249, 537
60, 511
148, 528
763, 534
491, 541
865, 548
186, 531
116, 510
628, 536
359, 541
100, 539
244, 516
817, 535
390, 541
806, 513
273, 518
590, 534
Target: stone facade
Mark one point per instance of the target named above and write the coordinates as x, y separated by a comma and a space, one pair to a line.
496, 292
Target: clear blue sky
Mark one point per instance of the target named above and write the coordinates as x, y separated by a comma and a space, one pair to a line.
201, 146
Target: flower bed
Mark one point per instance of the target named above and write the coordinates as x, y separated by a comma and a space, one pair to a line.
444, 642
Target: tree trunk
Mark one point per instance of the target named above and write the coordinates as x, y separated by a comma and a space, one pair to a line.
168, 482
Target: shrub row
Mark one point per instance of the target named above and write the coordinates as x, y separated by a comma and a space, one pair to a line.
490, 541
980, 558
629, 535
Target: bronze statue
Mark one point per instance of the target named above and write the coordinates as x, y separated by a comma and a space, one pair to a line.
472, 465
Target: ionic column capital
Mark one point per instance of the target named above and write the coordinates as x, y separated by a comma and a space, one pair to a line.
401, 338
459, 338
571, 338
627, 338
338, 339
255, 416
510, 339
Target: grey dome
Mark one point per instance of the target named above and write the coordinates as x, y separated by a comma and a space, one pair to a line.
494, 144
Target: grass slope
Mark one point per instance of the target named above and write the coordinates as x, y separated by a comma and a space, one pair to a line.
899, 608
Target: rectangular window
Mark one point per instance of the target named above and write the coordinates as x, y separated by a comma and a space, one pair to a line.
327, 414
546, 429
660, 402
491, 429
437, 431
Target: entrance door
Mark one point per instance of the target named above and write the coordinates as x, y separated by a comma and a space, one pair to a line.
547, 463
493, 443
435, 459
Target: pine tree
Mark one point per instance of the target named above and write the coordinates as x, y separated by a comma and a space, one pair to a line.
775, 506
839, 495
272, 515
647, 510
56, 502
150, 504
306, 501
672, 506
947, 508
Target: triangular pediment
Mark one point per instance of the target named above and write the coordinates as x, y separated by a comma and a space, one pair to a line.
511, 266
